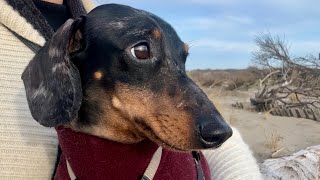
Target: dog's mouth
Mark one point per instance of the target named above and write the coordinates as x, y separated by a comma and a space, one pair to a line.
183, 141
150, 134
208, 144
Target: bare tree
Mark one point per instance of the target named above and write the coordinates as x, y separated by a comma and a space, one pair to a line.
293, 82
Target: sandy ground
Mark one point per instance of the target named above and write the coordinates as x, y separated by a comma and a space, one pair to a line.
268, 136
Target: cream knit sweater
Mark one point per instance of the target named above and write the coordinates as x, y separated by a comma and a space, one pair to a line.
28, 150
233, 160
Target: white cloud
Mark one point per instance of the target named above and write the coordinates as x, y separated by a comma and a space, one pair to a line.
239, 19
213, 23
301, 48
213, 2
227, 46
204, 2
276, 3
294, 4
283, 4
296, 48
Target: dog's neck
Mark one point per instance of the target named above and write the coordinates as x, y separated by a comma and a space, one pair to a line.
84, 151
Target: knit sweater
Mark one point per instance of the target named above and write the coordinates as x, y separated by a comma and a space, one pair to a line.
28, 150
233, 160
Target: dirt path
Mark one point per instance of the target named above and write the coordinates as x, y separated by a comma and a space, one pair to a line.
267, 135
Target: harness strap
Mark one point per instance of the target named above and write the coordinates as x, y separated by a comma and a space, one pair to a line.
197, 159
34, 47
70, 172
148, 174
153, 165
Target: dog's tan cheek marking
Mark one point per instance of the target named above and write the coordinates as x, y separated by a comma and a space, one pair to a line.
175, 126
171, 124
98, 75
116, 103
156, 33
112, 122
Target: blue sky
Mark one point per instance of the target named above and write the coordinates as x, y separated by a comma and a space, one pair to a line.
221, 32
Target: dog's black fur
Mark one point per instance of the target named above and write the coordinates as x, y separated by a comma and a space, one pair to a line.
124, 66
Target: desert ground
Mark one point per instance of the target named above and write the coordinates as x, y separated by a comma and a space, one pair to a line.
268, 136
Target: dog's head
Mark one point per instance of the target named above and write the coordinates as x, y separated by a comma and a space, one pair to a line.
119, 73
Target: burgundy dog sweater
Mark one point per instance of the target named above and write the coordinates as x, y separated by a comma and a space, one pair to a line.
93, 158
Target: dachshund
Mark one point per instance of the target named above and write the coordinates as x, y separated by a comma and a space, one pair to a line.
118, 73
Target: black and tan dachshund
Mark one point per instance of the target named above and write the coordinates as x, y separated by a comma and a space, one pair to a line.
119, 73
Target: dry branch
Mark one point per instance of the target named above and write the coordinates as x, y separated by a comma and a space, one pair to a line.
304, 164
288, 77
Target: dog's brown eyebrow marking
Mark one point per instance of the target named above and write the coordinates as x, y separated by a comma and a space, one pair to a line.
98, 75
156, 33
186, 48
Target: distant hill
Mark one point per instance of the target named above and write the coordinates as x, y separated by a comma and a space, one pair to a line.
228, 78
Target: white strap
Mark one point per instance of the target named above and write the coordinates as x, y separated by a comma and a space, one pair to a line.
148, 174
70, 172
153, 165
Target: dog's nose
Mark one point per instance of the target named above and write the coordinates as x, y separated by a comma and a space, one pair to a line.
214, 134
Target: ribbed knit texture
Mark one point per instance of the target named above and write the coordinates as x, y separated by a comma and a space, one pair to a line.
28, 10
233, 160
17, 23
27, 150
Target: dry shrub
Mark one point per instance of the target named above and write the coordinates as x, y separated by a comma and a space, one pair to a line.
273, 141
267, 114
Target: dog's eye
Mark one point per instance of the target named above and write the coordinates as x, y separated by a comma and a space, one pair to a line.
141, 51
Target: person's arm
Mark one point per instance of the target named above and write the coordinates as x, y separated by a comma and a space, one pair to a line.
233, 160
54, 1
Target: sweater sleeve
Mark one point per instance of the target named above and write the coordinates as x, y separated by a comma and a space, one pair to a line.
233, 160
88, 5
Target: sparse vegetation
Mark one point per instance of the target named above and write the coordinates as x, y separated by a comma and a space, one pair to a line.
267, 135
294, 81
291, 82
273, 142
229, 79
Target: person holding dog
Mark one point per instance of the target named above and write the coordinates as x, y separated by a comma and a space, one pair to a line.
28, 150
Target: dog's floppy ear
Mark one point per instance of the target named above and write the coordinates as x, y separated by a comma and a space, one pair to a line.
51, 80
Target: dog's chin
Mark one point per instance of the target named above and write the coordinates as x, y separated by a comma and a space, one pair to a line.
151, 135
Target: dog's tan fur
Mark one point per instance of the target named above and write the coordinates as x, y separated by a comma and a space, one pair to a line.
131, 114
156, 33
